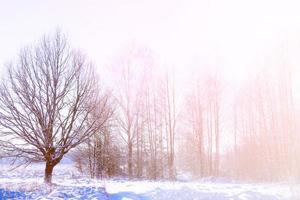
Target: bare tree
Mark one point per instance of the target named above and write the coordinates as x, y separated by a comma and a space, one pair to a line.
46, 103
132, 69
170, 120
98, 155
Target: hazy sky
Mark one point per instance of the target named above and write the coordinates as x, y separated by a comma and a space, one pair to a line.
233, 35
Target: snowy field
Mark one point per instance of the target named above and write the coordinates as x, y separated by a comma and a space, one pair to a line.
69, 184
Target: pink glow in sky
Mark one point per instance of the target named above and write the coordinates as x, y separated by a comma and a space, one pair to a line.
233, 36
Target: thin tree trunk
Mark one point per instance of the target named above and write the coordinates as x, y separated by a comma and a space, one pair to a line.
217, 137
130, 160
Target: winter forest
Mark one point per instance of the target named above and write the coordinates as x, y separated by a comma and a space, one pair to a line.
217, 121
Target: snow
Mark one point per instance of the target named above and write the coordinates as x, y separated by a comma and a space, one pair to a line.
197, 190
69, 184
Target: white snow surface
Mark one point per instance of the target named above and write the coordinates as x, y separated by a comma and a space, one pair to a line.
27, 183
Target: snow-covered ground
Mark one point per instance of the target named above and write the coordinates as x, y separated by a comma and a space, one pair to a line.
69, 184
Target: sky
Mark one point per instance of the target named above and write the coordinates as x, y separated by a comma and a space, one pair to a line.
233, 36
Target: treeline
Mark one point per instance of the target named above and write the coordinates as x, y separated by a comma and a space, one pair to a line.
207, 129
144, 122
266, 118
257, 124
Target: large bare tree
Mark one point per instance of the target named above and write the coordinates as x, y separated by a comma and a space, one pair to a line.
46, 102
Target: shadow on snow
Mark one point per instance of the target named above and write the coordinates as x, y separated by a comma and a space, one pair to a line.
128, 195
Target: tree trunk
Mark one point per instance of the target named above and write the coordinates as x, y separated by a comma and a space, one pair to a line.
48, 173
129, 160
171, 168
